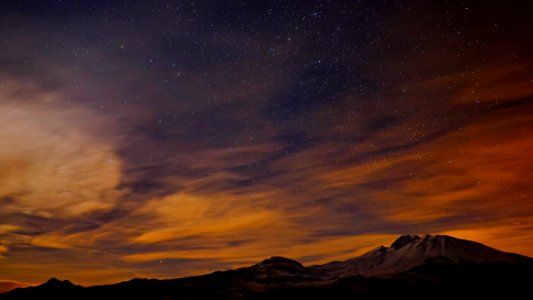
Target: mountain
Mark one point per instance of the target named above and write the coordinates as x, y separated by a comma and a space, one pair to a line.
52, 287
409, 251
416, 267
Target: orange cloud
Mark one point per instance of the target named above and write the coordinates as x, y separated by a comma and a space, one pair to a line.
185, 215
497, 83
323, 250
472, 171
8, 228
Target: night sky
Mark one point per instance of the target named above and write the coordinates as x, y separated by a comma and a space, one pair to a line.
170, 138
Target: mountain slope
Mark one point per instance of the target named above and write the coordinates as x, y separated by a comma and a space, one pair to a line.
440, 266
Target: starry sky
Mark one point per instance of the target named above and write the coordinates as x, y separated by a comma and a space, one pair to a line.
170, 138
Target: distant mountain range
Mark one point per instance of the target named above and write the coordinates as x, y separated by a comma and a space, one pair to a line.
413, 267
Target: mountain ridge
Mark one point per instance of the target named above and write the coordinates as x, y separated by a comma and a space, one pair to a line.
426, 261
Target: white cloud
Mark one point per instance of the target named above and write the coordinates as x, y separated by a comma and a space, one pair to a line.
50, 162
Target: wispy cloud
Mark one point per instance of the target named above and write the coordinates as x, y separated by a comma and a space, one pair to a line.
51, 166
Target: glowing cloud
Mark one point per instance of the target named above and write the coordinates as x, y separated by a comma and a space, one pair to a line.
50, 167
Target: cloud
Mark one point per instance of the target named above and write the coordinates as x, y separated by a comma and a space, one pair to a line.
51, 165
8, 228
498, 83
493, 82
321, 251
468, 171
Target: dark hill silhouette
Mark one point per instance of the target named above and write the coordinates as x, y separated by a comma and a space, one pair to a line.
414, 267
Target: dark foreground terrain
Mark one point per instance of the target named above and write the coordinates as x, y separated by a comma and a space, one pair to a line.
413, 267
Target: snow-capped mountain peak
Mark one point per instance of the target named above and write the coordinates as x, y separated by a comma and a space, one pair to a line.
410, 251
